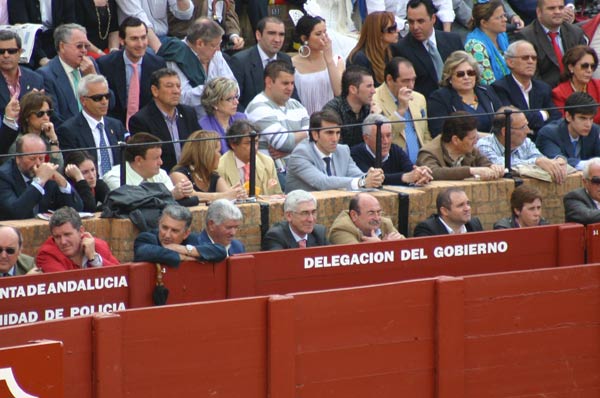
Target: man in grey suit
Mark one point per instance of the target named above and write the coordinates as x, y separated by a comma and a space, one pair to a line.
583, 204
300, 229
550, 22
321, 163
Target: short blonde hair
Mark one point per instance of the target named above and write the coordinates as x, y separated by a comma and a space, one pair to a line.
215, 91
453, 61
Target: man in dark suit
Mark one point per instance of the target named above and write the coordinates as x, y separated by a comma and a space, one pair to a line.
91, 128
165, 117
120, 66
12, 261
550, 22
28, 185
63, 73
174, 241
223, 219
421, 18
576, 137
14, 79
248, 65
30, 11
521, 90
453, 215
581, 205
300, 229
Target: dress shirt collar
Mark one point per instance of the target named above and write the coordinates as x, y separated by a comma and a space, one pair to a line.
296, 236
463, 228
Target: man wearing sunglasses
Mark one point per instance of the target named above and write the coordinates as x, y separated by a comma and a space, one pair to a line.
91, 128
12, 261
521, 90
576, 137
14, 80
583, 204
63, 73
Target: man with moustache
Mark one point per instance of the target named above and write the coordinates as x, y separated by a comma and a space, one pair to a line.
453, 215
363, 222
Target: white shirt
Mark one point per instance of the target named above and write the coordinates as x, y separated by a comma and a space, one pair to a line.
93, 123
113, 177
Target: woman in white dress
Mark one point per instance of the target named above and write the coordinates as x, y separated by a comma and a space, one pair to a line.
318, 75
340, 28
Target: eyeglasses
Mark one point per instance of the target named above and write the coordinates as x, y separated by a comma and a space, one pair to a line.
98, 97
500, 17
526, 57
594, 180
306, 213
233, 98
390, 29
9, 250
587, 65
525, 126
11, 51
462, 73
48, 113
80, 46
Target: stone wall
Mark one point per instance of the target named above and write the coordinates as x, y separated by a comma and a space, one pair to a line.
489, 201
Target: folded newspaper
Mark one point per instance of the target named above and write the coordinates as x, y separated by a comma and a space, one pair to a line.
27, 33
533, 171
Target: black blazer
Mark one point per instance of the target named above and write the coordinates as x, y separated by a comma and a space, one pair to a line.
248, 70
540, 97
87, 15
408, 47
280, 237
75, 133
433, 226
112, 66
548, 68
18, 200
28, 80
149, 119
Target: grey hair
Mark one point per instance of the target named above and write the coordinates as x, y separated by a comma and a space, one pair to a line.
369, 120
222, 210
215, 91
294, 198
591, 162
82, 87
511, 50
63, 33
204, 29
179, 213
65, 215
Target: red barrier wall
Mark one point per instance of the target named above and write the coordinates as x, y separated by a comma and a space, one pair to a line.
323, 267
516, 334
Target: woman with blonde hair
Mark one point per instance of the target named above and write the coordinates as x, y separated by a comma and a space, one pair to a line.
199, 161
220, 100
460, 91
372, 51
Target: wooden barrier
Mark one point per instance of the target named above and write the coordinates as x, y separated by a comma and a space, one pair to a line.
593, 243
330, 267
513, 334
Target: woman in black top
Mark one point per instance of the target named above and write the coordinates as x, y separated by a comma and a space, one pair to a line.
81, 172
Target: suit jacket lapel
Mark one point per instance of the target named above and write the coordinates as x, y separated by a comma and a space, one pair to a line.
121, 81
545, 42
4, 93
256, 68
423, 56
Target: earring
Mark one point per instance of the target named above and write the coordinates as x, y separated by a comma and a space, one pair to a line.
304, 50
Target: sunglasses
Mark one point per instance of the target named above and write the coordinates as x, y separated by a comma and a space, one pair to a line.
8, 250
594, 180
527, 57
587, 65
462, 73
11, 51
390, 29
48, 113
80, 46
98, 97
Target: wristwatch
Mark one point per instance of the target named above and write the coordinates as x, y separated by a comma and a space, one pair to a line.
189, 249
362, 182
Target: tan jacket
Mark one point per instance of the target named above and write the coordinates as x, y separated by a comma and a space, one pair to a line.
266, 175
434, 155
418, 110
343, 231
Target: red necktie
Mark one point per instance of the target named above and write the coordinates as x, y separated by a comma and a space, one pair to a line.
557, 52
302, 243
133, 96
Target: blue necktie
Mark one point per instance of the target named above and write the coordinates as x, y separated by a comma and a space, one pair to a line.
104, 156
327, 160
412, 141
575, 148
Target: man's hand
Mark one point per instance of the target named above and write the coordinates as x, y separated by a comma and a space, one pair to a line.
88, 246
404, 96
569, 15
372, 238
485, 173
556, 167
276, 154
420, 175
394, 236
238, 42
518, 22
86, 67
183, 189
374, 178
13, 108
45, 172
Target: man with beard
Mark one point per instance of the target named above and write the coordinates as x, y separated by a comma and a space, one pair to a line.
29, 185
453, 215
363, 222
